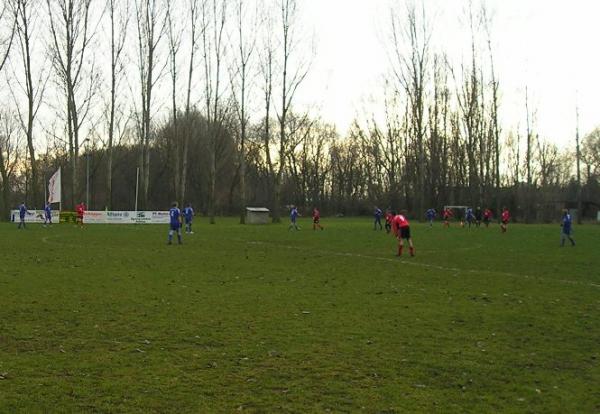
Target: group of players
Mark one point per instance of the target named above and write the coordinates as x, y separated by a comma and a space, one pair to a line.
396, 223
472, 217
47, 215
400, 227
176, 220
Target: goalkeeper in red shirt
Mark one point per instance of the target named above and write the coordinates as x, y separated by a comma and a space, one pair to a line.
401, 229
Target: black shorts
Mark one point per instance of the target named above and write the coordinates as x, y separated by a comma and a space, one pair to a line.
405, 232
316, 220
505, 222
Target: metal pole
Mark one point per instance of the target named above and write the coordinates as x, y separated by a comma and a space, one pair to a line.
137, 180
87, 182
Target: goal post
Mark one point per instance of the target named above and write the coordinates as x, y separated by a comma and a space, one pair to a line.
460, 209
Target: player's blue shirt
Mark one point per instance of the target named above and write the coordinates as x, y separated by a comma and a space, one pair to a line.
566, 223
174, 213
430, 213
378, 213
294, 214
48, 211
469, 214
22, 210
188, 213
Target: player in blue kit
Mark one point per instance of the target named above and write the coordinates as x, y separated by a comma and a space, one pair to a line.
188, 214
175, 223
22, 213
430, 216
293, 217
566, 229
377, 214
47, 214
469, 216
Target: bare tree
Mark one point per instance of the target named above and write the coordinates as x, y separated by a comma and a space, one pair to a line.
578, 159
193, 32
292, 76
26, 18
9, 156
213, 44
8, 19
411, 71
246, 45
150, 30
590, 154
528, 159
266, 67
174, 37
71, 36
495, 123
119, 18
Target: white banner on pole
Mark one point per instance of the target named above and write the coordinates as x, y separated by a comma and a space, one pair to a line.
54, 188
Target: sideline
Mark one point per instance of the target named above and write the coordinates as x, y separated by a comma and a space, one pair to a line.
432, 266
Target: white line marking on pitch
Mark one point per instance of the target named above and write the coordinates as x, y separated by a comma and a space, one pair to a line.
431, 266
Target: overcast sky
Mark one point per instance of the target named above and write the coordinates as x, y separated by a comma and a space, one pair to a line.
550, 46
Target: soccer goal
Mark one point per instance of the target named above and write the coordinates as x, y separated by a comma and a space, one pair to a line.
459, 211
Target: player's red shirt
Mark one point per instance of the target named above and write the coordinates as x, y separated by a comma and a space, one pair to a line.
388, 217
80, 209
447, 214
505, 215
487, 213
316, 214
399, 221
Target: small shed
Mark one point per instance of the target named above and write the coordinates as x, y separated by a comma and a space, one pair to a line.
257, 215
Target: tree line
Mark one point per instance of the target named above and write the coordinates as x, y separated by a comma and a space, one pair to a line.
196, 102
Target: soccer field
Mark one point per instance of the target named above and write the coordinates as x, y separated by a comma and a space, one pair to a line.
259, 319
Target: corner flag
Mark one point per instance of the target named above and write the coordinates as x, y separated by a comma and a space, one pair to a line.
54, 188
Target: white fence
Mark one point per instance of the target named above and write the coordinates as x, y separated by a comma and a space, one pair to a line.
126, 217
33, 216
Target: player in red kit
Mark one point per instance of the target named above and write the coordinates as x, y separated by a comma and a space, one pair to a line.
448, 214
80, 208
388, 221
401, 229
316, 219
505, 219
487, 217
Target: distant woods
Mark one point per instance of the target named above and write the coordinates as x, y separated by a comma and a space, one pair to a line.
200, 97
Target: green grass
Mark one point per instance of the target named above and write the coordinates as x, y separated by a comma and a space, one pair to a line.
259, 319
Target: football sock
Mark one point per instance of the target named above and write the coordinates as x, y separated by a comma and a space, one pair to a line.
400, 250
412, 251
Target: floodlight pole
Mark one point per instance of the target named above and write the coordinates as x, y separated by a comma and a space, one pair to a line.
137, 181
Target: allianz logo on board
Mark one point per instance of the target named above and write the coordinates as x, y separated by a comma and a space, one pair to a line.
117, 213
